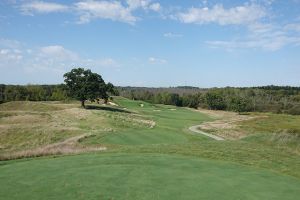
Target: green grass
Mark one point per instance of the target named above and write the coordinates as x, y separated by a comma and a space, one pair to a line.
140, 176
171, 125
143, 160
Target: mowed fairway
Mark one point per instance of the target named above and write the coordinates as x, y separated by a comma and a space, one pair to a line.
138, 176
150, 154
170, 125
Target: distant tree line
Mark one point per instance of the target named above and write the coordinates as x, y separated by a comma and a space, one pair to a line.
33, 93
41, 92
274, 99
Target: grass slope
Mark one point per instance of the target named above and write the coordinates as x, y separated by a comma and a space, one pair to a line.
140, 176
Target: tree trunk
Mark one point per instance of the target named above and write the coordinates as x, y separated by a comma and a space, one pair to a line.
82, 104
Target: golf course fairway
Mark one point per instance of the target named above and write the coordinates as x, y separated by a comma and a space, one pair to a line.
140, 176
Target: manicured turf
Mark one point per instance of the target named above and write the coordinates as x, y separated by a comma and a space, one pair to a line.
139, 176
171, 125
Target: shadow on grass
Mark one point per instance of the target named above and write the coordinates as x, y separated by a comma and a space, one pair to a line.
91, 107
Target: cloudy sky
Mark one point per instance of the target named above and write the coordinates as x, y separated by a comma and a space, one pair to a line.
151, 42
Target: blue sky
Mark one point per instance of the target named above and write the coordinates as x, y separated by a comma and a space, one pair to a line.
151, 42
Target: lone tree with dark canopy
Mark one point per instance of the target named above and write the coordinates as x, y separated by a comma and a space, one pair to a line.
85, 85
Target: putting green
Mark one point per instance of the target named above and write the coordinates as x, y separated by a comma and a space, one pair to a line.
140, 176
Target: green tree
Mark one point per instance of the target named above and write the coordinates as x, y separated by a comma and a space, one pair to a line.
112, 89
215, 101
239, 104
85, 85
2, 95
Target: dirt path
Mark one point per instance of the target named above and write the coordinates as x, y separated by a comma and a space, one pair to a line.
196, 130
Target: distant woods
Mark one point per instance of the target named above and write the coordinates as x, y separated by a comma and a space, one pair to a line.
33, 93
274, 99
42, 92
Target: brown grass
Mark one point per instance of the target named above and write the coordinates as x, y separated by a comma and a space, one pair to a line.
69, 146
32, 129
37, 128
226, 124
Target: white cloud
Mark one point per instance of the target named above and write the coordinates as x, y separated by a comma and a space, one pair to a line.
239, 15
112, 10
14, 44
10, 55
261, 36
58, 52
10, 51
260, 28
135, 4
293, 27
116, 10
154, 60
59, 57
268, 2
105, 62
52, 60
155, 7
172, 35
144, 4
204, 2
45, 64
42, 7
